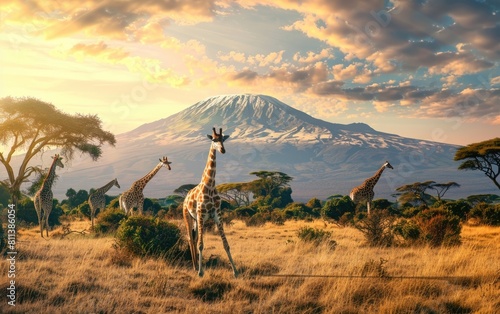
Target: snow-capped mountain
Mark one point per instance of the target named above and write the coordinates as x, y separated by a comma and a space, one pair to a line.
265, 134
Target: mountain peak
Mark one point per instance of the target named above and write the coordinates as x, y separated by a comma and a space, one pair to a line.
246, 117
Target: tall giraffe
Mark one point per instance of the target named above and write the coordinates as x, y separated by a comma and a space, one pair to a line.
203, 202
43, 198
365, 190
98, 199
134, 196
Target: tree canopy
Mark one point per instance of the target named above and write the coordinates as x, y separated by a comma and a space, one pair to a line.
415, 193
483, 156
269, 182
31, 126
237, 193
184, 189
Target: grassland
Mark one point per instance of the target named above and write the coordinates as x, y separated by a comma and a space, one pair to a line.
85, 274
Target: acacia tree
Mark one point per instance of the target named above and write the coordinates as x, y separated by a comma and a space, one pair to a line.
415, 192
31, 126
184, 189
442, 188
483, 156
236, 193
272, 188
269, 182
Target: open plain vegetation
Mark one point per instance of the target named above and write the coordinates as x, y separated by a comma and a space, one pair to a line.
279, 273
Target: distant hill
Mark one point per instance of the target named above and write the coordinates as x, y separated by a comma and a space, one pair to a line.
265, 134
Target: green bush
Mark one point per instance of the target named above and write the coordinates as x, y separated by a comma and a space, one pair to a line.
147, 236
408, 230
458, 208
337, 207
3, 241
109, 220
487, 214
257, 220
26, 212
84, 209
314, 235
245, 211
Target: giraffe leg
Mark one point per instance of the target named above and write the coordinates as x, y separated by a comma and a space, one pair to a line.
191, 234
47, 224
368, 205
92, 211
140, 206
39, 214
222, 234
200, 244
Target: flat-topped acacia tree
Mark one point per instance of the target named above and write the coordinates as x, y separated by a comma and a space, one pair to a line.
31, 126
483, 156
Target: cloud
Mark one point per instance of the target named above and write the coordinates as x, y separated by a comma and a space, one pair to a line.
467, 104
312, 56
260, 60
149, 68
298, 79
112, 19
98, 51
495, 80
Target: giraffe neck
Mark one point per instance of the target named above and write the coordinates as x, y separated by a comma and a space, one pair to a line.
49, 180
208, 178
144, 180
106, 188
373, 180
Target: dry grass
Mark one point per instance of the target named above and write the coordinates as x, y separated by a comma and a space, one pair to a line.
84, 274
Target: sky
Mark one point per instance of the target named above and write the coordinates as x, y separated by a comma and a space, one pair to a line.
426, 69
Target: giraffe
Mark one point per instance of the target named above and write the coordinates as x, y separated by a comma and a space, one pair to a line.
43, 198
203, 202
134, 196
365, 190
98, 200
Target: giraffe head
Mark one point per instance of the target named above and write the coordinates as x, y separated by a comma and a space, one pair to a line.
58, 161
165, 162
116, 183
218, 140
388, 165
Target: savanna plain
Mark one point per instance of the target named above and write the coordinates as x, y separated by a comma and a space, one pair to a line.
279, 273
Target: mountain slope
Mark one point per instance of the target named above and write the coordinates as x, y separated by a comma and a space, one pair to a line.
265, 134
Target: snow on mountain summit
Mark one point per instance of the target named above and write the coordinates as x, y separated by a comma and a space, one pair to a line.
246, 117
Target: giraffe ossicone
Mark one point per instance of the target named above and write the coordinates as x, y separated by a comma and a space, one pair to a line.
364, 192
43, 198
97, 199
203, 202
134, 196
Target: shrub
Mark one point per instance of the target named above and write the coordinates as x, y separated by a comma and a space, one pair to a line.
147, 236
337, 207
278, 217
314, 206
3, 241
408, 230
26, 212
109, 220
439, 227
259, 219
487, 214
244, 211
377, 228
84, 209
315, 235
296, 210
458, 208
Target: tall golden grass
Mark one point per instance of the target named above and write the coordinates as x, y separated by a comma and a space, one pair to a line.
85, 274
